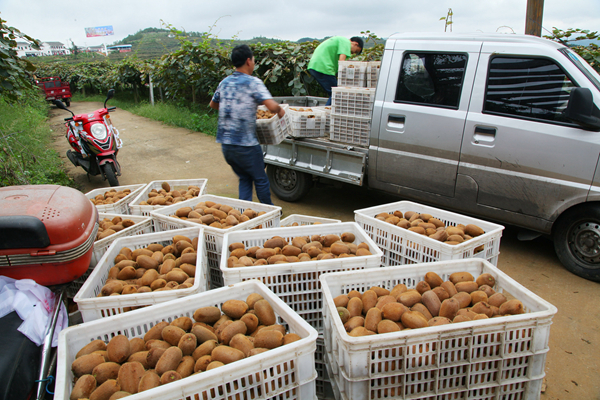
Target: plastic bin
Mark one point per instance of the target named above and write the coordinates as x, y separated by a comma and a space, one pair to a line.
351, 130
352, 73
214, 236
302, 220
353, 102
93, 307
274, 129
138, 209
474, 359
120, 207
307, 122
142, 225
372, 73
401, 246
297, 284
323, 385
285, 372
328, 111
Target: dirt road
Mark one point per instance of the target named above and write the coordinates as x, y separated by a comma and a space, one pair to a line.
153, 151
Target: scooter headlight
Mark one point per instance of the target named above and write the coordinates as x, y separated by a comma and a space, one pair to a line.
99, 131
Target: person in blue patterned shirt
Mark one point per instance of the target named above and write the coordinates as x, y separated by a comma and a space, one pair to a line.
237, 98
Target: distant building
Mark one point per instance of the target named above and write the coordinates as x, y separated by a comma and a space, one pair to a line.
122, 48
93, 49
55, 49
24, 49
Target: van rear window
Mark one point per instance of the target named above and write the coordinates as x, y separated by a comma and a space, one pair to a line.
433, 79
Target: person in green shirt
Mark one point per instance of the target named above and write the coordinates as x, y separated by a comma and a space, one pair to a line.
324, 61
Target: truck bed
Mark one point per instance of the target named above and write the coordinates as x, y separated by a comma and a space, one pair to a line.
320, 157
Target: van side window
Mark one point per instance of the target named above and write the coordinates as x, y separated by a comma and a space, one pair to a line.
533, 88
433, 79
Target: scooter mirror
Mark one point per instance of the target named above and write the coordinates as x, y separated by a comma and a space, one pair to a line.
59, 104
109, 96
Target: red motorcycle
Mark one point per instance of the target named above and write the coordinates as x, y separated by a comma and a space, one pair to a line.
95, 141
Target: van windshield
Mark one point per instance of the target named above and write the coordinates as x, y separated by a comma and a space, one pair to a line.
582, 65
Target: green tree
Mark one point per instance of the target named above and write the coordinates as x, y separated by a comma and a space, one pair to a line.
15, 72
589, 52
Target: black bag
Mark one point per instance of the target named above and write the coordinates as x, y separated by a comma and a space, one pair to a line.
20, 361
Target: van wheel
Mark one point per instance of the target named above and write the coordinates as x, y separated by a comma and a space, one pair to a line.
288, 184
68, 102
576, 240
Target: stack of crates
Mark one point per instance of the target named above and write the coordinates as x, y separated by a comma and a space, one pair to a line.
351, 115
352, 103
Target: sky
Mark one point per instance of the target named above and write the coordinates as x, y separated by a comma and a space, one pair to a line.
65, 20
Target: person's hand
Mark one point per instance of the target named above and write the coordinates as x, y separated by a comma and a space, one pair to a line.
281, 112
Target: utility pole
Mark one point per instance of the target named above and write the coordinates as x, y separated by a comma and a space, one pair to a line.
534, 17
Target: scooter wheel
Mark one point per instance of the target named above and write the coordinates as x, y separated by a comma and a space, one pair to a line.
109, 173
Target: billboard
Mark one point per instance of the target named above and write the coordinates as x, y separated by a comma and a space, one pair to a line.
99, 31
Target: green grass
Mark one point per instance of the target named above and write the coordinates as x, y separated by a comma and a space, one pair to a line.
195, 117
26, 156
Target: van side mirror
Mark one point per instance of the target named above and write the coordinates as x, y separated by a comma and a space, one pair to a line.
582, 110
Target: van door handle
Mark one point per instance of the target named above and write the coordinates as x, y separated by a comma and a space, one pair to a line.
484, 136
396, 122
396, 119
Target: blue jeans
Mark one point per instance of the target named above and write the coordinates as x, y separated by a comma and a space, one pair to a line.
247, 162
327, 82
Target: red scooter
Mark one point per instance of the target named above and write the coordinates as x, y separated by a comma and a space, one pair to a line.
95, 142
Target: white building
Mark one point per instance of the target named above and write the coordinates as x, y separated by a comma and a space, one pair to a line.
55, 49
24, 49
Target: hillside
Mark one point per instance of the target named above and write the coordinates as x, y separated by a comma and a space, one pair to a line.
152, 43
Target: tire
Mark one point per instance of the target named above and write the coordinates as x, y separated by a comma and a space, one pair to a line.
576, 240
68, 102
109, 174
288, 184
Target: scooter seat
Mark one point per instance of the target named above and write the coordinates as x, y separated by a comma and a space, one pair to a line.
20, 360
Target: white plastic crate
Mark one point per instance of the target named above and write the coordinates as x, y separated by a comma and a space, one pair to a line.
373, 73
120, 207
353, 102
352, 73
297, 284
286, 372
328, 111
323, 385
93, 307
142, 225
351, 130
401, 246
274, 129
302, 220
307, 121
214, 236
138, 209
469, 358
